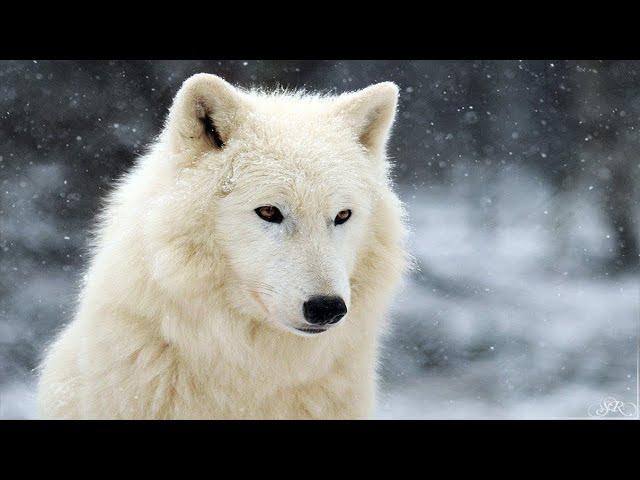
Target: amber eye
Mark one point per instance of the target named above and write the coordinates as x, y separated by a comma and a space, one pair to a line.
269, 213
343, 216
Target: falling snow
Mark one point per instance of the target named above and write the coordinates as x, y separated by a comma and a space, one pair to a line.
520, 180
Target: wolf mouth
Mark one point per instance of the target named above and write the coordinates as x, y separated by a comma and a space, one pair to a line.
311, 330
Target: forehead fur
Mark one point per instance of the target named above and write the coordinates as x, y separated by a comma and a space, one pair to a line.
295, 126
293, 144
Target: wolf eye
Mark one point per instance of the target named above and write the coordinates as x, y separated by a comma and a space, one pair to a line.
269, 213
343, 216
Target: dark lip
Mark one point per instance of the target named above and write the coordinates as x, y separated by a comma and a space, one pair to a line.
311, 330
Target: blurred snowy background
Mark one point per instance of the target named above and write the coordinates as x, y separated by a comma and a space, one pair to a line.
521, 183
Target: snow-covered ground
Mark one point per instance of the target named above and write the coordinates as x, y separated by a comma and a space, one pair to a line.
508, 314
499, 321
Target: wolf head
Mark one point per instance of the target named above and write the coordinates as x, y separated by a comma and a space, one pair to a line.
281, 201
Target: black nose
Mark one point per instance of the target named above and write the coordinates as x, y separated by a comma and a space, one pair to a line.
321, 309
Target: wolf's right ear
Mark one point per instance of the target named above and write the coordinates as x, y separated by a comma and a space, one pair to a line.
370, 113
204, 113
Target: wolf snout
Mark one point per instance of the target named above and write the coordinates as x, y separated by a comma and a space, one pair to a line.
323, 309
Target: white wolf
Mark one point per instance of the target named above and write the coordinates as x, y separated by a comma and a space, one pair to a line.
243, 267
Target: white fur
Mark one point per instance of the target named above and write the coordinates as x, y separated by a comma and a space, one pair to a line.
190, 301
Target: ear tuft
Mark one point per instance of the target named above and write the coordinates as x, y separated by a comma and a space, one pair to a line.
212, 132
370, 113
204, 113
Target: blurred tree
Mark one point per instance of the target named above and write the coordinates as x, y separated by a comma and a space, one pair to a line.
611, 145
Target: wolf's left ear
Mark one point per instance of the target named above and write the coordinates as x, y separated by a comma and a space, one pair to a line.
204, 113
370, 113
